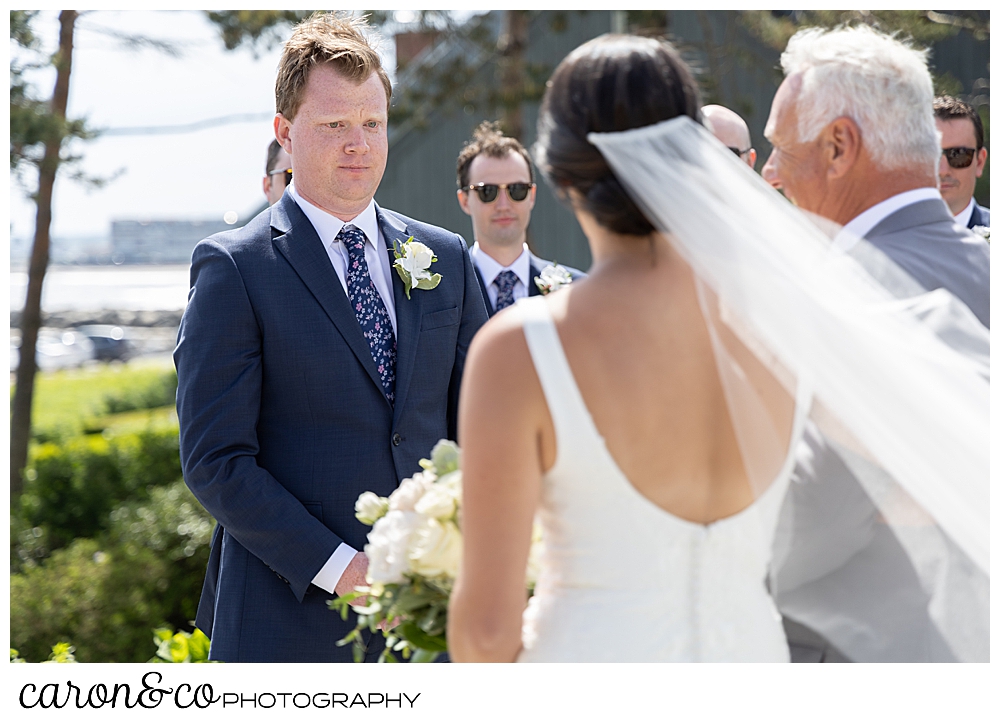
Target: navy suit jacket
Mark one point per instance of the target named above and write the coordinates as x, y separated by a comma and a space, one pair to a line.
536, 265
284, 423
980, 215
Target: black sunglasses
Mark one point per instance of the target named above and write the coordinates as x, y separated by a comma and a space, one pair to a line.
488, 192
738, 152
286, 171
960, 157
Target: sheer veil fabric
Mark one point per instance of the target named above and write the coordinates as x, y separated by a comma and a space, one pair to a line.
883, 540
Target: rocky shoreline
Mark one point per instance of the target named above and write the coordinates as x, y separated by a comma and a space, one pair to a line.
68, 319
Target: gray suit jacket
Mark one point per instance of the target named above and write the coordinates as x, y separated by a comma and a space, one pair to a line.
924, 240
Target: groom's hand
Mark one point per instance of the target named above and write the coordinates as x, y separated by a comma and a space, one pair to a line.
353, 576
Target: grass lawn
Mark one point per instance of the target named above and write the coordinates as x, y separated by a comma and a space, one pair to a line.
69, 400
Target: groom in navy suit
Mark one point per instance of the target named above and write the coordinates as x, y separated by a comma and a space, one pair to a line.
306, 375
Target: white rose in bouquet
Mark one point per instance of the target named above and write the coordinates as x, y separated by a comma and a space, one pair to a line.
440, 501
410, 490
436, 549
414, 551
388, 547
370, 507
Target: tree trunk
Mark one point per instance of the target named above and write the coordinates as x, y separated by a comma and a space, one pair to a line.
512, 43
31, 318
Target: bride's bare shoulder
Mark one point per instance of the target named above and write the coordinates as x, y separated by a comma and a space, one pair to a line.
500, 341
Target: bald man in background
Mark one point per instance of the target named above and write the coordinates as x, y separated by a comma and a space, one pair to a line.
732, 130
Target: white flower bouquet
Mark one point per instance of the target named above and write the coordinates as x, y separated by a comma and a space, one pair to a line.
414, 551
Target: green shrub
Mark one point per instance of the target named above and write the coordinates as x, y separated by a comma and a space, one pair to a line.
157, 392
149, 458
106, 595
61, 653
71, 488
180, 647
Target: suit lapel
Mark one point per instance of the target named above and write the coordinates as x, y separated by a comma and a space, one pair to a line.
482, 287
408, 311
976, 219
535, 266
295, 238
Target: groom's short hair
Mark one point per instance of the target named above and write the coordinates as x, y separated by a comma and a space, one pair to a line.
489, 140
337, 39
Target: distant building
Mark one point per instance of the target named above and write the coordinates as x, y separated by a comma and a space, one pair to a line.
69, 250
159, 242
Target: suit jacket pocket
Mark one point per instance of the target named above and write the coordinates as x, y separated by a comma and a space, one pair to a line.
436, 319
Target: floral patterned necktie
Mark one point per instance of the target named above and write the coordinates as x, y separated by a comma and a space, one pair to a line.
370, 309
504, 282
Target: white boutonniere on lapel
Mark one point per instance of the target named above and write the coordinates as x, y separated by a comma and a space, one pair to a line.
553, 277
983, 231
413, 262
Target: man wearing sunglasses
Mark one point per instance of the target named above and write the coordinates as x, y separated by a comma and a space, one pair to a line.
496, 188
963, 159
277, 172
732, 130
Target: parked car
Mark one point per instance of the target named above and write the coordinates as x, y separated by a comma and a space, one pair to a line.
56, 350
110, 342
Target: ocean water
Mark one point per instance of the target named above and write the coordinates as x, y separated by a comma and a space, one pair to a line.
93, 288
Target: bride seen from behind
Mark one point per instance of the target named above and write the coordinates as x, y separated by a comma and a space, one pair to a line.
644, 496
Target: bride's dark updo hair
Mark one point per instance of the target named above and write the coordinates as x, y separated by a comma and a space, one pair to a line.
612, 83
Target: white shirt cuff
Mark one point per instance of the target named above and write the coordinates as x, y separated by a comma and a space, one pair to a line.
330, 574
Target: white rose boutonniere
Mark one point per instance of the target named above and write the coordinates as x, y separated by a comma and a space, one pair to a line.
413, 261
552, 278
983, 231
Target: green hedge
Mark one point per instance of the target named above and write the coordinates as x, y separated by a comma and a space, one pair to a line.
160, 392
71, 488
105, 595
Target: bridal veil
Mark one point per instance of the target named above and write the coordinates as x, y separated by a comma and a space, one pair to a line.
883, 541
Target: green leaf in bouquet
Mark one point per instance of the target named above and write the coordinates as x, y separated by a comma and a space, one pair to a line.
424, 656
419, 639
434, 621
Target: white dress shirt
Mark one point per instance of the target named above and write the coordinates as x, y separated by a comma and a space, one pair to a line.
864, 222
327, 227
962, 217
489, 268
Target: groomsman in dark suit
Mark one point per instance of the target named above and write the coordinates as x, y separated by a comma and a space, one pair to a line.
309, 370
963, 159
496, 187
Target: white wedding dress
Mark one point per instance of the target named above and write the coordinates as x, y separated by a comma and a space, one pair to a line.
622, 580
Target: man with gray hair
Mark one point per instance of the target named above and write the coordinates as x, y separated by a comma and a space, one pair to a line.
732, 130
855, 141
